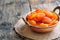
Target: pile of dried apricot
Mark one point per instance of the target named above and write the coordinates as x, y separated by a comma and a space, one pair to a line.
42, 18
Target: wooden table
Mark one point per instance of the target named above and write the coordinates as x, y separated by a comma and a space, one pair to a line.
10, 11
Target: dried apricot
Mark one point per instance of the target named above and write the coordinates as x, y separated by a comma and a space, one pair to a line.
32, 22
55, 16
53, 22
32, 15
42, 25
40, 16
48, 13
35, 19
38, 10
46, 20
28, 16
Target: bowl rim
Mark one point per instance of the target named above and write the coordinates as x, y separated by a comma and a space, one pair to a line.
41, 27
37, 26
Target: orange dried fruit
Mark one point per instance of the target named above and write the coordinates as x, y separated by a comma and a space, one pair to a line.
38, 10
48, 13
28, 16
53, 22
40, 16
55, 16
42, 25
31, 16
35, 19
43, 18
46, 20
32, 22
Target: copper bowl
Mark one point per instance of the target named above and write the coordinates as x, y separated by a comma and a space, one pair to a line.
42, 30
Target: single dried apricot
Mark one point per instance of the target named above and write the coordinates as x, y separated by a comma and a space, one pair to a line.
42, 25
53, 22
55, 16
28, 16
31, 15
32, 22
40, 16
35, 19
46, 20
38, 10
48, 13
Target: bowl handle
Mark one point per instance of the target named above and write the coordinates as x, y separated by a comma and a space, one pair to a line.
24, 20
58, 7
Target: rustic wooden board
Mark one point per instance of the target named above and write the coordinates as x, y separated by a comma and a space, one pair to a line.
25, 31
